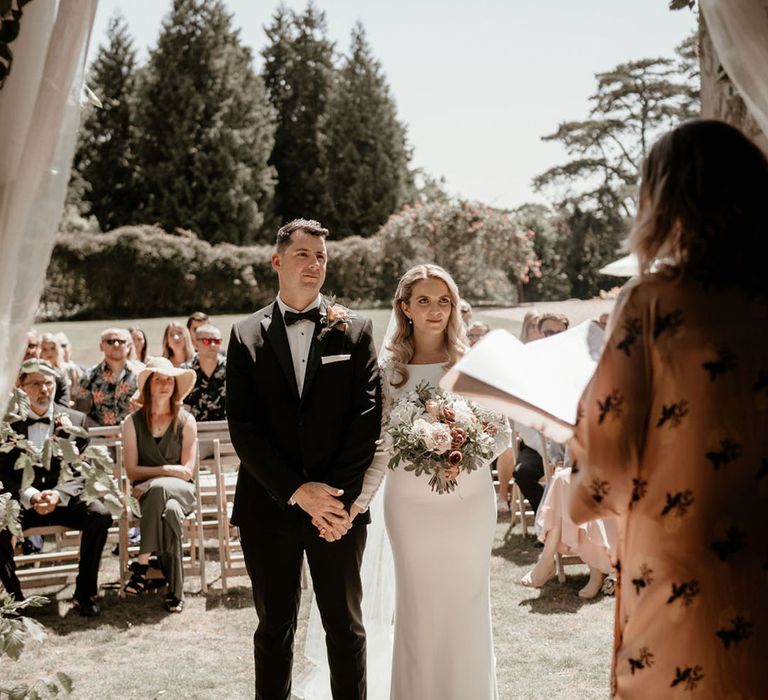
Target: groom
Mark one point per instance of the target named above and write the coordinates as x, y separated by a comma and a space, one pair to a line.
304, 409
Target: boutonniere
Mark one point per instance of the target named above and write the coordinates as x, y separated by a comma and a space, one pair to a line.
63, 424
61, 421
334, 317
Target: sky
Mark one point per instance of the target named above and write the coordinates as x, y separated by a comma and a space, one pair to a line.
477, 82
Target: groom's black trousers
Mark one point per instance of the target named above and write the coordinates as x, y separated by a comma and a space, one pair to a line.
273, 557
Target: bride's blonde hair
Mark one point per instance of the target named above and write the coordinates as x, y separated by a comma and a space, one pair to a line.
400, 345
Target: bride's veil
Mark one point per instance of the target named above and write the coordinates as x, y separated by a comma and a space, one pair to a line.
378, 576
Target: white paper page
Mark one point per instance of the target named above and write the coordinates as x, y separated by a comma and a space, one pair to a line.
547, 375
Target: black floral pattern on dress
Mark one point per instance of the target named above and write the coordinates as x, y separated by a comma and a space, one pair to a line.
613, 403
722, 364
729, 451
600, 489
644, 660
633, 329
734, 541
690, 676
740, 629
644, 580
639, 489
762, 472
685, 592
667, 323
679, 502
673, 414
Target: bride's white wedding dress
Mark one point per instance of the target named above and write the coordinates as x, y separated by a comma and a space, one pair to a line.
441, 547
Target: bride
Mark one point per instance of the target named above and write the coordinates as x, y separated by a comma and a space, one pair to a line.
440, 544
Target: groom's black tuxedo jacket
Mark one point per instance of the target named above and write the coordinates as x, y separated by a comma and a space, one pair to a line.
327, 434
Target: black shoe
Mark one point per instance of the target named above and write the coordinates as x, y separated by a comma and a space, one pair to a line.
87, 607
32, 545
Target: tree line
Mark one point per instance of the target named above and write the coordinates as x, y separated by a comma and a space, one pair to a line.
197, 139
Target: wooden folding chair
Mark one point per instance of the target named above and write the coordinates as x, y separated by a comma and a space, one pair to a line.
230, 551
52, 568
519, 508
561, 560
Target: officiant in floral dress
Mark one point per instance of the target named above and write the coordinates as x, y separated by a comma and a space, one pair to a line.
673, 432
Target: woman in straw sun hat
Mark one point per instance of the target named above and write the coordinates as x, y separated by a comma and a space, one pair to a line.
159, 448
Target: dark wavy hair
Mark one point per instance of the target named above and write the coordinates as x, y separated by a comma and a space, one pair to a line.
702, 207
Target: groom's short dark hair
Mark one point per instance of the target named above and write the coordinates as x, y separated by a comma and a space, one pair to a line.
310, 226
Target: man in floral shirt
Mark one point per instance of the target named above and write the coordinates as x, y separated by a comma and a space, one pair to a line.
105, 391
206, 400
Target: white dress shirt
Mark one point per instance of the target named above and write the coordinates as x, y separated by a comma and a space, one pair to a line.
299, 339
37, 435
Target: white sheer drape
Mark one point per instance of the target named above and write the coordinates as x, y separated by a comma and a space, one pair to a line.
39, 117
739, 31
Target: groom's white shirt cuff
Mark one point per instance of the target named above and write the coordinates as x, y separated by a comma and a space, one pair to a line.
292, 499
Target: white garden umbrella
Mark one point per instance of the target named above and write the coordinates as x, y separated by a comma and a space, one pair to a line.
623, 267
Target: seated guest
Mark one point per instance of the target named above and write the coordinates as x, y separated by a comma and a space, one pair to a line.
105, 391
72, 370
476, 330
33, 345
552, 324
530, 329
45, 501
206, 400
177, 344
529, 469
51, 352
594, 542
466, 312
159, 451
195, 320
140, 345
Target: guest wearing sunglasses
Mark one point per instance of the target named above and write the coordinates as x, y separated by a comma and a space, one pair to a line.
552, 324
105, 391
206, 400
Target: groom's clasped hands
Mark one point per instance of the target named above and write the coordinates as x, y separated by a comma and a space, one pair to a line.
328, 513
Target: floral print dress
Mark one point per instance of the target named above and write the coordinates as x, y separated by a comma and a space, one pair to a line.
673, 439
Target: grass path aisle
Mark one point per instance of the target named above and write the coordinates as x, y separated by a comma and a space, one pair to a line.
549, 643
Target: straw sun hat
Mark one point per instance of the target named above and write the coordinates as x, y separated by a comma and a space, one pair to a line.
185, 378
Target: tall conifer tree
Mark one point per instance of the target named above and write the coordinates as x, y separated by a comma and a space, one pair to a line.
104, 167
206, 128
298, 70
366, 149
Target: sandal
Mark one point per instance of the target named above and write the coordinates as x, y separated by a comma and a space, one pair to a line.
173, 604
138, 583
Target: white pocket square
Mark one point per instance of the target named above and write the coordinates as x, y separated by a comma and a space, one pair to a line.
328, 359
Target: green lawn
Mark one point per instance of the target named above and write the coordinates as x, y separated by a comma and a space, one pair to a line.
550, 644
84, 335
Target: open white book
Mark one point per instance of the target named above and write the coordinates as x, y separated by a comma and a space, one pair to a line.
538, 384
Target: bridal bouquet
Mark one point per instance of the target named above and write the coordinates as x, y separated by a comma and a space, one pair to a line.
434, 432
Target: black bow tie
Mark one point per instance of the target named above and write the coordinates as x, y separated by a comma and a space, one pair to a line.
292, 317
44, 419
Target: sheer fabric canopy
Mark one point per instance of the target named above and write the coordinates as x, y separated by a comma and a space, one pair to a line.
39, 117
739, 32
